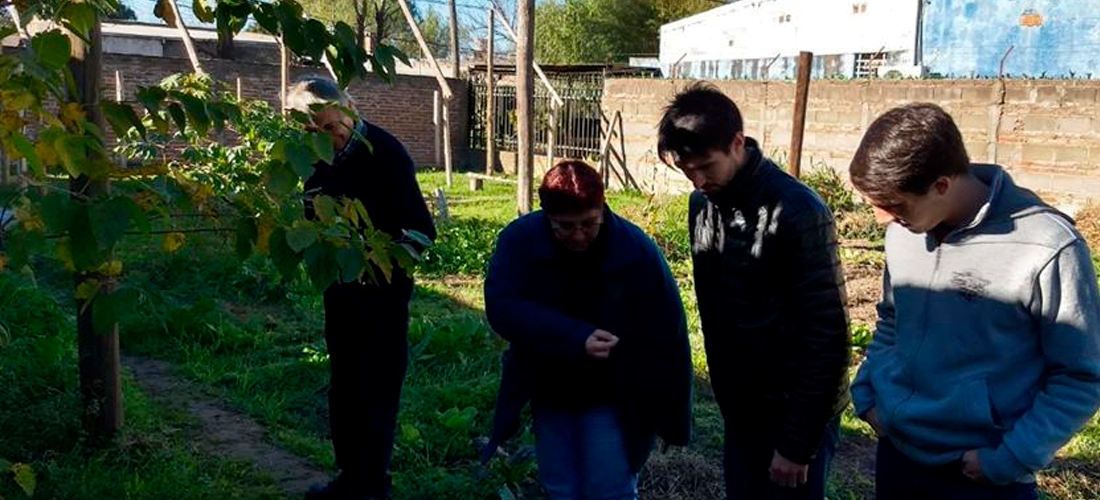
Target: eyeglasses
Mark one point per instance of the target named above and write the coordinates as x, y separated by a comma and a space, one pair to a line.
570, 227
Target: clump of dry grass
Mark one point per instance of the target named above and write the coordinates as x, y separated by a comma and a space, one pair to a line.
1088, 223
681, 474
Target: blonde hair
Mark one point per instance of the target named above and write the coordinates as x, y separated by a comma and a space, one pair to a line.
316, 90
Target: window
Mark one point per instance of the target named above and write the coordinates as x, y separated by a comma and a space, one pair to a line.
867, 64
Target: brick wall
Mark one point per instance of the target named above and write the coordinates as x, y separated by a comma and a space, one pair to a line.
1046, 132
403, 107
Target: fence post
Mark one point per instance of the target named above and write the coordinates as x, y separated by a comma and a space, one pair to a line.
490, 135
552, 140
802, 92
448, 155
436, 117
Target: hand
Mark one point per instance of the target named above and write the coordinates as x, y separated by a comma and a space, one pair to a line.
599, 344
871, 417
972, 466
786, 473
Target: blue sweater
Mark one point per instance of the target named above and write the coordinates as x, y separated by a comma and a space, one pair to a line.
988, 340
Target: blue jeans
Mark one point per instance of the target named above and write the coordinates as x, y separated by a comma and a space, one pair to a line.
582, 455
899, 478
748, 457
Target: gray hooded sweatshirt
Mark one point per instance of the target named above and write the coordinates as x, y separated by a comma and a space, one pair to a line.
988, 340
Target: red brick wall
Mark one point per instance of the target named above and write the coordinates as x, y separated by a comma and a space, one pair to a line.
403, 107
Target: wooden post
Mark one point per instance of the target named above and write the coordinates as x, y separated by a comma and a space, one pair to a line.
448, 156
100, 373
186, 36
437, 118
525, 103
490, 109
238, 89
284, 74
802, 93
439, 77
456, 58
118, 99
552, 139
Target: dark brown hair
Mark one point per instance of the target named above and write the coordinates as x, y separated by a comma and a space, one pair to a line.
905, 150
699, 120
569, 187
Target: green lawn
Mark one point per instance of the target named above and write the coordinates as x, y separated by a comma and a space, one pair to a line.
257, 343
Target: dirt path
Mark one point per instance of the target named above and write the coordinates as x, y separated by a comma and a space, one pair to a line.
223, 431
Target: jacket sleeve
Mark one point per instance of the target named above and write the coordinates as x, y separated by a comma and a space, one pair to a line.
1067, 308
515, 316
822, 346
415, 215
863, 393
671, 351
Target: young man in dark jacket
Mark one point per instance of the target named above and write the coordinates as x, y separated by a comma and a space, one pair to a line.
771, 300
366, 324
986, 356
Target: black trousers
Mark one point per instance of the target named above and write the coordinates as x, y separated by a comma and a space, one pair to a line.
366, 329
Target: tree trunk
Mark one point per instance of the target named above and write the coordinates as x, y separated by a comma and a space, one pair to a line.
225, 46
100, 376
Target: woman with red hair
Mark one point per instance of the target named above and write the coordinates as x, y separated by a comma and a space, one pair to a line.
598, 340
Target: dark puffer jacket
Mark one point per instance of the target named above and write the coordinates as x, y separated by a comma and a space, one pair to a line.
772, 305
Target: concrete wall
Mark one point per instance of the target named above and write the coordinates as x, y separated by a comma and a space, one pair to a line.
403, 107
967, 38
1046, 132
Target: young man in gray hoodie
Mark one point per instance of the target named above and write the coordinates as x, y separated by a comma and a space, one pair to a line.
986, 356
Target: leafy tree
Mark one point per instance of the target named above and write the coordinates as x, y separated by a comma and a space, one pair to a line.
124, 13
66, 212
600, 31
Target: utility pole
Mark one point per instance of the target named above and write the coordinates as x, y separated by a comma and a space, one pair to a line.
525, 102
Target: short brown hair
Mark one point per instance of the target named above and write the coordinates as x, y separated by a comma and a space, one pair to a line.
905, 150
571, 186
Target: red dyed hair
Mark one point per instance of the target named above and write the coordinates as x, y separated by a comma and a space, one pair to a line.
570, 187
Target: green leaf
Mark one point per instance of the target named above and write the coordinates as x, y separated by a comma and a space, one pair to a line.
110, 219
202, 13
321, 265
6, 31
122, 118
316, 38
73, 153
290, 22
301, 158
23, 245
178, 116
280, 178
87, 289
81, 18
109, 309
300, 238
267, 18
351, 264
52, 49
382, 261
25, 148
417, 237
196, 112
152, 97
247, 233
25, 478
322, 146
57, 212
326, 208
286, 260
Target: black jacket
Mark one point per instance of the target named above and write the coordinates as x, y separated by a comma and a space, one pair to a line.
771, 298
527, 295
383, 177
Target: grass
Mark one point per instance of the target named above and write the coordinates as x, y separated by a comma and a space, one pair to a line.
257, 343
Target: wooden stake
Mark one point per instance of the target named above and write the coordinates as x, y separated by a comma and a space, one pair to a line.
456, 57
284, 74
99, 363
118, 99
238, 89
437, 121
490, 108
186, 36
443, 85
802, 93
448, 157
525, 103
552, 140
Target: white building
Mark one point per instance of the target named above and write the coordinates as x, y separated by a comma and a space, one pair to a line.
760, 39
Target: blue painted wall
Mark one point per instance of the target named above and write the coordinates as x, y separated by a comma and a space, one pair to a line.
964, 38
